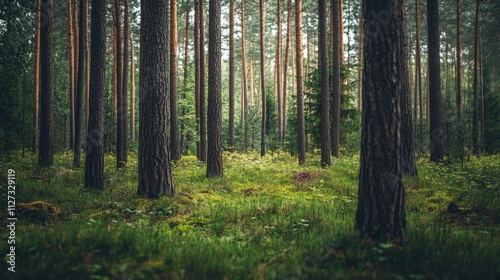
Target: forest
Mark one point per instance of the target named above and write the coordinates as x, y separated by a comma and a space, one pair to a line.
250, 139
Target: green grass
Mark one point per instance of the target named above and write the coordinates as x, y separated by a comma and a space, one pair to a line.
262, 220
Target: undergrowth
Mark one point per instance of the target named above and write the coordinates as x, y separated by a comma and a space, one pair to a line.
267, 218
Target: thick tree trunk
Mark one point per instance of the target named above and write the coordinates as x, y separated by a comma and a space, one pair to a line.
175, 147
79, 84
155, 177
36, 79
436, 132
214, 158
231, 75
94, 161
325, 83
336, 78
300, 94
408, 166
46, 145
262, 82
380, 215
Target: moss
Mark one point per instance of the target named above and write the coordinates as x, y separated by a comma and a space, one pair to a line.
37, 211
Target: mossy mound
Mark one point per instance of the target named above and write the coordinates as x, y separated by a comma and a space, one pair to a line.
37, 211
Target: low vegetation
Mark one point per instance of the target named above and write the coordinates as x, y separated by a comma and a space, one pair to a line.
267, 218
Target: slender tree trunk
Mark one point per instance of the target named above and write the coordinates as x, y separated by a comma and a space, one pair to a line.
79, 84
476, 106
335, 5
360, 56
197, 70
380, 214
285, 69
71, 61
76, 50
278, 70
203, 113
46, 145
244, 103
121, 101
112, 125
325, 83
155, 177
94, 161
459, 82
36, 79
300, 94
175, 148
481, 90
132, 88
252, 81
231, 75
418, 79
214, 158
408, 166
262, 82
184, 137
87, 68
436, 135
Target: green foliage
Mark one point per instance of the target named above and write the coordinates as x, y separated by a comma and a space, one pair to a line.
263, 219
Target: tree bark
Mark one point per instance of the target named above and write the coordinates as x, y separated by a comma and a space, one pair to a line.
300, 94
197, 71
436, 132
336, 78
278, 71
231, 75
79, 83
214, 158
244, 94
121, 100
94, 161
285, 69
46, 144
71, 61
132, 88
325, 83
418, 80
87, 67
380, 214
360, 56
203, 113
175, 147
476, 106
36, 79
262, 82
155, 177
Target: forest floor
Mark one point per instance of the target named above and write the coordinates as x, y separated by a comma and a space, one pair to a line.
267, 218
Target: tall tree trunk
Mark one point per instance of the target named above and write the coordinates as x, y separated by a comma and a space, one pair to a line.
262, 82
124, 105
46, 145
112, 125
244, 94
203, 113
79, 83
476, 106
132, 88
87, 68
360, 55
300, 94
36, 79
278, 71
335, 5
184, 137
121, 101
231, 75
252, 81
155, 177
408, 166
418, 79
94, 161
325, 83
459, 82
380, 214
72, 79
214, 158
197, 70
436, 132
481, 90
175, 147
285, 69
76, 48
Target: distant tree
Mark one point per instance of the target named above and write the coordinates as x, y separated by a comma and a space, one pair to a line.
72, 78
459, 81
262, 81
197, 71
325, 83
244, 93
203, 113
175, 147
335, 134
279, 82
46, 147
214, 157
285, 69
231, 75
94, 161
436, 131
155, 177
121, 100
36, 80
380, 214
300, 93
475, 105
